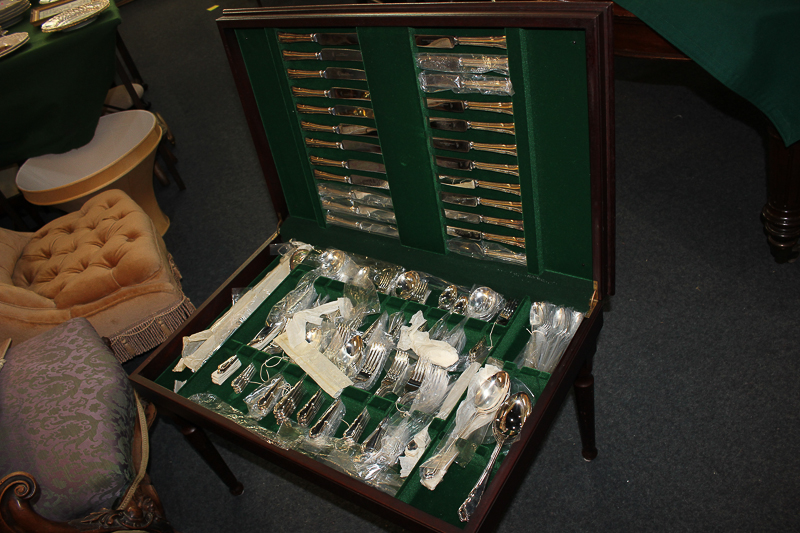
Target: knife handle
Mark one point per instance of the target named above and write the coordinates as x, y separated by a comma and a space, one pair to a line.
496, 85
497, 41
503, 239
292, 55
484, 63
507, 149
504, 222
496, 167
295, 37
492, 107
499, 127
314, 110
303, 92
510, 188
327, 162
503, 204
310, 126
296, 74
318, 143
322, 175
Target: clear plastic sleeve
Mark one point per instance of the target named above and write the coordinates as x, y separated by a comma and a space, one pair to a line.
463, 63
261, 401
486, 250
552, 329
369, 227
432, 82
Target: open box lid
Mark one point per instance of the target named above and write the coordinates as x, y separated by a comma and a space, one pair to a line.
560, 65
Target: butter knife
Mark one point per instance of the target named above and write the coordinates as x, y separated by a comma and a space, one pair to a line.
330, 73
465, 146
467, 164
334, 92
350, 164
475, 218
481, 236
325, 39
356, 146
326, 54
450, 41
459, 106
352, 179
341, 129
449, 124
337, 110
475, 201
467, 183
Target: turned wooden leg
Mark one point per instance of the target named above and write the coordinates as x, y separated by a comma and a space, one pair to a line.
584, 401
781, 214
200, 442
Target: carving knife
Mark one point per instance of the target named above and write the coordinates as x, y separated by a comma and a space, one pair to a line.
467, 164
334, 92
459, 106
330, 73
481, 236
325, 39
337, 110
449, 124
352, 179
467, 183
356, 146
450, 41
350, 164
341, 129
475, 218
475, 201
465, 146
326, 54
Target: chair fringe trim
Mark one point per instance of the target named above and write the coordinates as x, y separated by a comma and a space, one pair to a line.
150, 332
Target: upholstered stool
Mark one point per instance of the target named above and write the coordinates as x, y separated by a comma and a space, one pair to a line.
105, 262
70, 423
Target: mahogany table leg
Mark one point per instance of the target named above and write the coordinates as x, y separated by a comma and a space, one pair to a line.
584, 400
200, 442
781, 214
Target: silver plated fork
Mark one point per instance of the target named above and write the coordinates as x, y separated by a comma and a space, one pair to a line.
397, 369
416, 377
376, 352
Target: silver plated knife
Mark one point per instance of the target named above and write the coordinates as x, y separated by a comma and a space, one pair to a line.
350, 164
475, 218
481, 236
342, 93
450, 41
467, 164
449, 124
325, 39
341, 129
465, 146
326, 54
467, 183
459, 106
474, 201
352, 179
356, 146
330, 73
337, 110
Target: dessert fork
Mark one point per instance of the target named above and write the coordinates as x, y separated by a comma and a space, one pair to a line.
376, 352
398, 368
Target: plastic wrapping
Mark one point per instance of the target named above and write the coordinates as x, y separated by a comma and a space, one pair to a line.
298, 299
214, 404
411, 285
486, 250
484, 303
341, 194
552, 328
261, 401
463, 63
432, 82
370, 227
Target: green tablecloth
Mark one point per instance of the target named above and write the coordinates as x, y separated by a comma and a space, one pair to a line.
752, 46
52, 90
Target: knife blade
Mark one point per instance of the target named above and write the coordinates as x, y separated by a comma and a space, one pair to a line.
326, 54
337, 110
481, 236
341, 93
451, 41
475, 218
451, 124
352, 179
330, 73
456, 145
350, 164
467, 164
468, 183
341, 129
325, 39
474, 201
459, 106
356, 146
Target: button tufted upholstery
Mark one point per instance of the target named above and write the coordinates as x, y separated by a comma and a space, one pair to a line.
105, 262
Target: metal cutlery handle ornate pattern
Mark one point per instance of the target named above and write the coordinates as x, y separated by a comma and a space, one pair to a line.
507, 149
503, 204
499, 127
496, 167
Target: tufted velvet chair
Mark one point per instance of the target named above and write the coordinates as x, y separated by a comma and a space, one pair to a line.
72, 451
105, 262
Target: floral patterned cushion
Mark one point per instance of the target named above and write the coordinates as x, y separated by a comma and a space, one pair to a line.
67, 415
